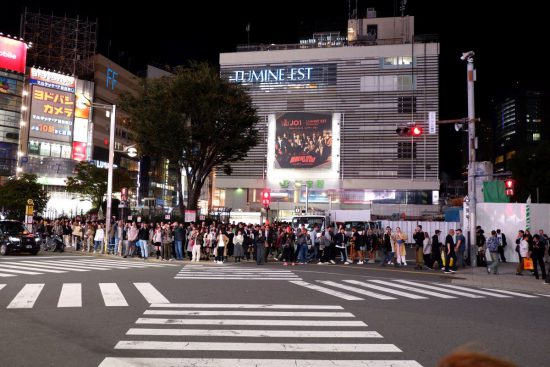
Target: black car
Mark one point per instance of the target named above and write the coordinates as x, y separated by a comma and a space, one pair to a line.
15, 237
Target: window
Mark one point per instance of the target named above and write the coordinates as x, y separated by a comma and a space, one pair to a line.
404, 150
387, 83
397, 61
406, 104
499, 159
510, 154
536, 136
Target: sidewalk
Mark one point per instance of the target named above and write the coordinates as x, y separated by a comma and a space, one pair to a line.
506, 279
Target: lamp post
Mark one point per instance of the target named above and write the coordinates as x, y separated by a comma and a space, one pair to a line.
112, 109
470, 78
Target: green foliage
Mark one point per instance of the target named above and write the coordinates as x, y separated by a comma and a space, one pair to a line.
194, 118
14, 194
91, 182
531, 170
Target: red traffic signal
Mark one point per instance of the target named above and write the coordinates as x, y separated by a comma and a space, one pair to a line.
266, 198
416, 131
509, 185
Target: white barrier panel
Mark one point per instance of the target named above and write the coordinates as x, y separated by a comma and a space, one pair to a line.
408, 227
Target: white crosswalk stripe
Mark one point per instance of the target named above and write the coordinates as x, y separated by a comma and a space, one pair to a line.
236, 272
399, 288
70, 295
26, 296
322, 335
51, 265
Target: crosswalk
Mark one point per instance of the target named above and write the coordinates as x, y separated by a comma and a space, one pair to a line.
264, 335
70, 295
235, 272
355, 290
64, 265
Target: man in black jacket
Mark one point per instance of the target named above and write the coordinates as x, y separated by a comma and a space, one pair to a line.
436, 251
418, 237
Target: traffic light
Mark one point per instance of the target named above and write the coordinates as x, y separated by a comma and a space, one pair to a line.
402, 131
416, 131
266, 198
510, 185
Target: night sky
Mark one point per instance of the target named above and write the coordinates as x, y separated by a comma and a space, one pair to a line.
508, 40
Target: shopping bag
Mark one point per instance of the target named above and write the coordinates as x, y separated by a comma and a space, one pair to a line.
528, 263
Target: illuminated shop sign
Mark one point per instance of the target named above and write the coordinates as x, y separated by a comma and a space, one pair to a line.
52, 113
13, 55
49, 79
315, 75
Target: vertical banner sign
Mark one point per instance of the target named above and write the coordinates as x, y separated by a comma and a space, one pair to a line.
431, 123
190, 215
303, 140
29, 211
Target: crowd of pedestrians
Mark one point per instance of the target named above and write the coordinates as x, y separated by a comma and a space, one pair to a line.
280, 242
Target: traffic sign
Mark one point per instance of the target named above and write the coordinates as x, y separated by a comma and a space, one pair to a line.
431, 123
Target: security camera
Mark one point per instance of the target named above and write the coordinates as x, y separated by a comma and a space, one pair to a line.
467, 55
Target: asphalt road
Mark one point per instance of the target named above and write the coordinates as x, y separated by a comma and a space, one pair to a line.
174, 314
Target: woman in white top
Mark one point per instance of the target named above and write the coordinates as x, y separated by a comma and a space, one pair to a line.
427, 250
221, 241
157, 240
98, 238
523, 252
238, 251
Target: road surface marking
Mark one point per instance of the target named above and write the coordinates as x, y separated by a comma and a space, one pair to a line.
27, 296
29, 267
474, 290
257, 333
511, 293
249, 306
317, 323
151, 294
441, 289
384, 289
71, 295
412, 289
331, 292
248, 313
363, 292
112, 296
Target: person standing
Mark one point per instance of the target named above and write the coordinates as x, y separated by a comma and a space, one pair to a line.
436, 251
399, 239
418, 237
340, 240
143, 238
387, 248
99, 237
238, 252
537, 254
502, 244
179, 237
166, 236
427, 250
450, 252
460, 247
523, 251
132, 238
493, 245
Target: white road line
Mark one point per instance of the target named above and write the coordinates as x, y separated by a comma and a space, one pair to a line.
234, 278
79, 265
331, 292
544, 295
384, 289
312, 323
441, 289
121, 263
89, 265
27, 296
2, 286
412, 289
211, 362
31, 268
363, 292
248, 313
249, 306
71, 295
2, 275
511, 293
474, 291
112, 296
20, 271
234, 270
47, 264
256, 333
150, 293
253, 347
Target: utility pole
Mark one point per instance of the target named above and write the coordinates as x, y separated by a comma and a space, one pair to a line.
470, 79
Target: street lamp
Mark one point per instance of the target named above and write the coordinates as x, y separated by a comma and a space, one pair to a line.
112, 109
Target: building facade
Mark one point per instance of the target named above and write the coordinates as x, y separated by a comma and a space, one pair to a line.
329, 113
518, 124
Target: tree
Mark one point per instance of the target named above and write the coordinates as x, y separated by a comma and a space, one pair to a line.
195, 118
15, 193
531, 170
91, 182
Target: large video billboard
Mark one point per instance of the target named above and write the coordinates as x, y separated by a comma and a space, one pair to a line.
303, 140
303, 145
13, 55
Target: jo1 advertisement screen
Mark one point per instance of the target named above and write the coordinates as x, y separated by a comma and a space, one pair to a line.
303, 140
52, 114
